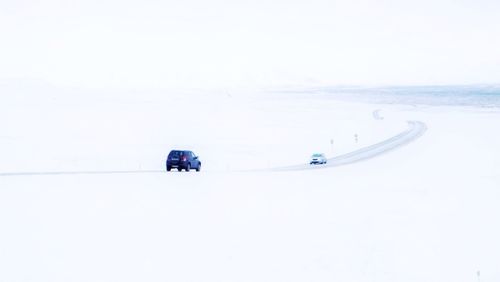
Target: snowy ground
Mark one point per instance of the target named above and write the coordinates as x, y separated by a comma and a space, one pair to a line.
425, 211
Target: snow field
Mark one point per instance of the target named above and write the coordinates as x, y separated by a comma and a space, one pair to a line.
427, 211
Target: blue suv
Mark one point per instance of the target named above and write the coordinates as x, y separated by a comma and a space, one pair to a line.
183, 160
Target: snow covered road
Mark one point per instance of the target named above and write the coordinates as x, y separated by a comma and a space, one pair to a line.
415, 130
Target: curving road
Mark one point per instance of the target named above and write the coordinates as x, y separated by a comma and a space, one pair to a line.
414, 131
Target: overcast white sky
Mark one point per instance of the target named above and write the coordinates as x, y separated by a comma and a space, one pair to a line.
221, 43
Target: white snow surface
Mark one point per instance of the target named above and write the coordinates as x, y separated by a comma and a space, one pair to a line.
84, 195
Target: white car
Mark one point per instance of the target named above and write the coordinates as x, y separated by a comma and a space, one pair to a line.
318, 159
